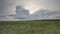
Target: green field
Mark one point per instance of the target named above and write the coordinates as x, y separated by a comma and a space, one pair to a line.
30, 27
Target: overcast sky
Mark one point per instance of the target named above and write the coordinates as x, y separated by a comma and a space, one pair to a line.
46, 4
8, 6
32, 5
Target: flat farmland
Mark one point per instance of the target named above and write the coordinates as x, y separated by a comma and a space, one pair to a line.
30, 27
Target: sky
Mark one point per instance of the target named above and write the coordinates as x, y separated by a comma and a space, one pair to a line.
9, 6
34, 5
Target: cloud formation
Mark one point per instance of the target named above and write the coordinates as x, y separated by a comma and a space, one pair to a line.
46, 14
21, 12
7, 7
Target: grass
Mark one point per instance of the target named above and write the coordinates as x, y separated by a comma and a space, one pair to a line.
30, 27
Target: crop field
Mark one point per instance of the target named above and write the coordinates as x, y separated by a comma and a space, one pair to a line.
30, 27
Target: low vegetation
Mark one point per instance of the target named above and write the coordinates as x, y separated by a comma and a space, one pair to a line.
30, 27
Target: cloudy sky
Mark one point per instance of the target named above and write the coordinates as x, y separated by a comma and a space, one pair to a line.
9, 6
33, 5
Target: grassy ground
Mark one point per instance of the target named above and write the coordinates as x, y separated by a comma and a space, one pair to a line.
30, 27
